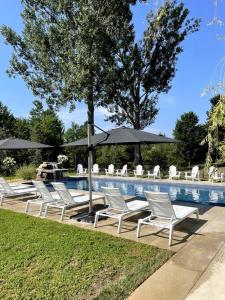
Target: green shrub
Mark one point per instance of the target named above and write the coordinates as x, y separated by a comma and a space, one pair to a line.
26, 172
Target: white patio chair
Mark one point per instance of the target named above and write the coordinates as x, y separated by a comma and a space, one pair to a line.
7, 191
214, 176
164, 214
68, 201
110, 170
139, 171
122, 172
173, 173
95, 169
44, 198
81, 170
155, 174
194, 175
118, 208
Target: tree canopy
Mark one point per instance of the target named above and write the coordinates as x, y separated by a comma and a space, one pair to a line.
189, 131
146, 68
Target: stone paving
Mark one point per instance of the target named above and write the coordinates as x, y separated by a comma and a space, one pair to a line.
196, 271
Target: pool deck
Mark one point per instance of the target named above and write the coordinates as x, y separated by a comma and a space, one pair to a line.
197, 269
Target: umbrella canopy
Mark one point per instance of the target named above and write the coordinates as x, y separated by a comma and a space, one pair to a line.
12, 144
122, 136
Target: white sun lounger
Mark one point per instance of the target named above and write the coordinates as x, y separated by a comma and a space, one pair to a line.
194, 175
14, 186
173, 173
139, 171
81, 170
122, 172
155, 174
118, 208
44, 197
7, 191
67, 201
95, 169
164, 214
110, 170
214, 176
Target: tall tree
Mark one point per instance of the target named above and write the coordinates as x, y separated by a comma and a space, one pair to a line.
46, 128
146, 68
7, 122
76, 154
189, 131
66, 50
215, 137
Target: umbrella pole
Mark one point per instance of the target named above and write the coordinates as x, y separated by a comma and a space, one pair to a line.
90, 162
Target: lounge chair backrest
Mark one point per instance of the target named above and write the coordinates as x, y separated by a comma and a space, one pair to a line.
80, 168
139, 169
115, 199
5, 186
62, 191
111, 168
172, 171
95, 168
160, 205
42, 189
194, 172
156, 170
124, 170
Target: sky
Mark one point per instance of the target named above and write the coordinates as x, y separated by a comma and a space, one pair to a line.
198, 65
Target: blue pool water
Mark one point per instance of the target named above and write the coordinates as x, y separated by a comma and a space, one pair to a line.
205, 194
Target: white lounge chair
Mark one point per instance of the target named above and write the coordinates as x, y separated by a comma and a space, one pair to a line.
81, 170
8, 192
139, 171
118, 208
110, 170
68, 201
164, 214
122, 172
193, 175
95, 169
214, 176
173, 173
14, 186
44, 198
155, 174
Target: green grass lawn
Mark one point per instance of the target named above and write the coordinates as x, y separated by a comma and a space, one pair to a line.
42, 259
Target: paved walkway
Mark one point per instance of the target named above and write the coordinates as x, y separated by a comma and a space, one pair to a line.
196, 271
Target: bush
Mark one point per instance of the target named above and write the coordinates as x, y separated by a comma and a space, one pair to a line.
9, 165
26, 172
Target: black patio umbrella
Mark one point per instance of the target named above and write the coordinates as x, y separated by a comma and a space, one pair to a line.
123, 136
119, 136
13, 144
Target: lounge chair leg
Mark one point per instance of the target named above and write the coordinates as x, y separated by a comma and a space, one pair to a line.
62, 215
171, 236
197, 215
27, 207
120, 224
1, 200
139, 229
41, 208
96, 220
46, 210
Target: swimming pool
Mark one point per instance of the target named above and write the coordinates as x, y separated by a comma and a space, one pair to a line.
204, 194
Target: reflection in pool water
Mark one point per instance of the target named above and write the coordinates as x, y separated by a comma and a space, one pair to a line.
182, 192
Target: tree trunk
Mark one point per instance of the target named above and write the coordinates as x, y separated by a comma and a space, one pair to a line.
137, 155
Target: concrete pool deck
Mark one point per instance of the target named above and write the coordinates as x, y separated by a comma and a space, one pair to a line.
197, 269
